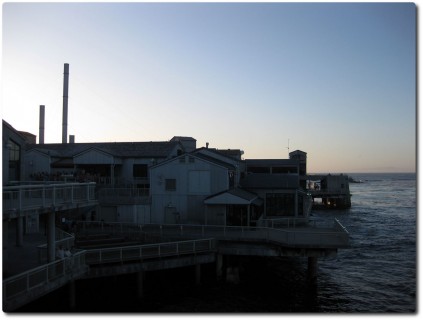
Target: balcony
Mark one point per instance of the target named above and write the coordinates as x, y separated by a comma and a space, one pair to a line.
39, 198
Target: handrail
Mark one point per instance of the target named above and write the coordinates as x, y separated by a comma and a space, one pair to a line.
306, 236
149, 251
63, 238
27, 197
44, 185
40, 277
340, 227
340, 191
281, 222
25, 282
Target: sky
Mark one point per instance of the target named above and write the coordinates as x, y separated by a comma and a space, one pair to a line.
335, 80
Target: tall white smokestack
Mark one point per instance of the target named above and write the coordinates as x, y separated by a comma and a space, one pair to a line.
65, 104
42, 121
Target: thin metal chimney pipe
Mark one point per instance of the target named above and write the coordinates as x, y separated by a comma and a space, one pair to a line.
65, 104
71, 138
42, 122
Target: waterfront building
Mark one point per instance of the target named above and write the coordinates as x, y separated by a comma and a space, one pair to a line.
173, 181
14, 143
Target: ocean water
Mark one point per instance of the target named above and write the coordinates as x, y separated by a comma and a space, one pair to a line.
377, 274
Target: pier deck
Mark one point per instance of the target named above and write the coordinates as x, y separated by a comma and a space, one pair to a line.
191, 245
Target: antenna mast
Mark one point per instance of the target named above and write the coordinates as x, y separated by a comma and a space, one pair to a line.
288, 147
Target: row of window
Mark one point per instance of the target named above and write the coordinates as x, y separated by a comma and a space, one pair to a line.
275, 169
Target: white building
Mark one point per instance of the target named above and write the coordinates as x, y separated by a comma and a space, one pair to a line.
179, 187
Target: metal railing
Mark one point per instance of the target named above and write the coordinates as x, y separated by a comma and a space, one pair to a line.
124, 195
334, 236
282, 222
28, 283
64, 239
327, 192
149, 251
27, 197
19, 289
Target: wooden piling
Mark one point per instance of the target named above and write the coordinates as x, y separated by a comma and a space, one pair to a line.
312, 270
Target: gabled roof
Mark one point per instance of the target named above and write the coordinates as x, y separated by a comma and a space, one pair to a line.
196, 156
9, 127
117, 149
216, 161
233, 196
297, 152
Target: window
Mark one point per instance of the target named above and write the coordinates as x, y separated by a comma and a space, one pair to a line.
14, 160
14, 151
140, 171
170, 184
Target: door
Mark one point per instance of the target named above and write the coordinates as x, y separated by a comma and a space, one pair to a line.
170, 215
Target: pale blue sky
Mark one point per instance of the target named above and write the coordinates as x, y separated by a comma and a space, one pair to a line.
338, 80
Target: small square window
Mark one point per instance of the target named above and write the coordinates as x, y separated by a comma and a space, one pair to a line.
170, 184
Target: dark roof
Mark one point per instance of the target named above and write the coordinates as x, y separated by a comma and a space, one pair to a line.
118, 149
229, 153
216, 161
9, 127
270, 181
298, 152
180, 138
243, 194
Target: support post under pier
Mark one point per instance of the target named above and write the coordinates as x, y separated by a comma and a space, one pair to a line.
312, 270
72, 295
19, 231
140, 284
198, 274
219, 266
51, 235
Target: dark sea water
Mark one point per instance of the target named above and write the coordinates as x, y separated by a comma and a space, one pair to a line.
376, 275
378, 272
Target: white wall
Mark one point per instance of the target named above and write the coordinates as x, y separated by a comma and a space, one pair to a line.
196, 179
35, 162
